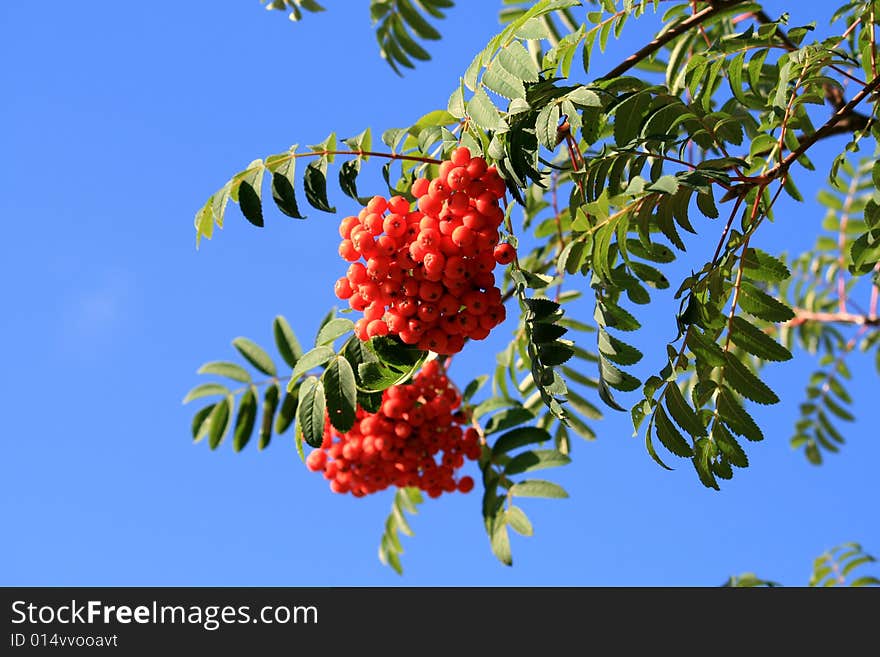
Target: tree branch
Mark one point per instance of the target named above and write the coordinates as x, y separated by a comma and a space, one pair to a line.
693, 21
804, 316
826, 130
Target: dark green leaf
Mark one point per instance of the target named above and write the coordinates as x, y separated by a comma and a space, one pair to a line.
244, 422
287, 413
752, 339
270, 405
316, 187
218, 422
703, 453
394, 352
729, 446
200, 422
250, 203
741, 379
509, 417
535, 460
311, 411
737, 418
617, 350
760, 304
555, 353
285, 340
518, 438
340, 392
669, 435
472, 387
681, 411
762, 266
606, 396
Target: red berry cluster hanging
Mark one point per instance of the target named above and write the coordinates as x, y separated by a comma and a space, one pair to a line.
428, 276
399, 445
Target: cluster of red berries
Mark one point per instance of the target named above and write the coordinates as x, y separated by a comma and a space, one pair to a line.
399, 445
428, 277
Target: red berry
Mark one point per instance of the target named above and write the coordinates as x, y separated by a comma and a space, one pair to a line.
504, 254
461, 156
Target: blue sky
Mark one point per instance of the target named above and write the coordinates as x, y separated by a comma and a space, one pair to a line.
120, 122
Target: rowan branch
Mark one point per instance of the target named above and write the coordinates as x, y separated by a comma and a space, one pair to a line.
803, 316
660, 40
826, 130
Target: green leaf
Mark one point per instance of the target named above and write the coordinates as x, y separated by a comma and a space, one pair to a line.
255, 355
340, 392
703, 452
285, 340
681, 411
737, 418
617, 378
472, 387
535, 460
760, 304
584, 97
456, 106
224, 368
394, 352
555, 353
310, 360
704, 348
416, 21
270, 405
311, 411
613, 316
287, 413
540, 308
762, 266
205, 390
729, 446
250, 203
333, 330
316, 187
483, 112
741, 379
500, 541
538, 488
752, 339
504, 84
516, 60
244, 422
518, 521
518, 438
606, 396
546, 125
375, 376
507, 418
283, 168
669, 435
617, 350
348, 174
200, 422
218, 422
